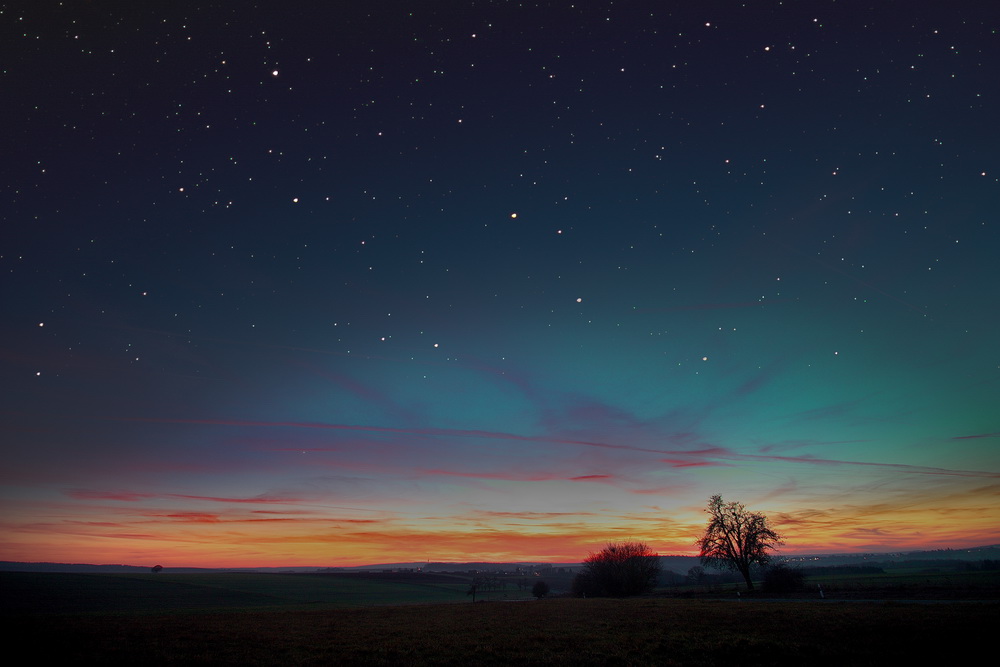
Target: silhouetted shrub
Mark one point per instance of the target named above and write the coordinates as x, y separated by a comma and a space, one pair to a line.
584, 586
696, 575
619, 570
540, 589
783, 579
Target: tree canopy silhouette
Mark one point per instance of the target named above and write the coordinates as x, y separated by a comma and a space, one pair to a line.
736, 538
618, 570
540, 589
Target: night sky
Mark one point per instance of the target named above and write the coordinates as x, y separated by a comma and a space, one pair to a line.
288, 285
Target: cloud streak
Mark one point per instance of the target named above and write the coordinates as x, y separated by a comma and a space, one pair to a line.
694, 458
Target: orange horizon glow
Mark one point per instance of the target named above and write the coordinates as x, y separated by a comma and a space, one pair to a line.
283, 536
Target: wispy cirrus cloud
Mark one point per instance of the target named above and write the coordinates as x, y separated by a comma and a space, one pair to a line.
686, 463
516, 476
208, 517
435, 432
700, 456
506, 475
254, 500
124, 496
901, 467
529, 515
196, 517
803, 442
135, 496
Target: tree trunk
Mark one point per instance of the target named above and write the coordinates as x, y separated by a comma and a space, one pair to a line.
746, 576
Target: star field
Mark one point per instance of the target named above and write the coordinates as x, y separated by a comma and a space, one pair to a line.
297, 285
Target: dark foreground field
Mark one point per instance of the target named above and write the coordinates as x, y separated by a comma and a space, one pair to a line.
557, 631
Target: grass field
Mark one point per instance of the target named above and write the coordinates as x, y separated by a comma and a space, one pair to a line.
898, 584
39, 593
295, 619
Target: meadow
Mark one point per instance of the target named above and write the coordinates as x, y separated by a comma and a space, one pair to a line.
222, 618
28, 592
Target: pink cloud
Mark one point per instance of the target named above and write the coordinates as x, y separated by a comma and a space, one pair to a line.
196, 517
711, 452
436, 432
515, 476
215, 499
133, 496
678, 463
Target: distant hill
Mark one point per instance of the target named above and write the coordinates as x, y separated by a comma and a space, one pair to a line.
481, 566
678, 564
991, 552
11, 566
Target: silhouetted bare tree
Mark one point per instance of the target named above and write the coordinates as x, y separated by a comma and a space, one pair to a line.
736, 539
695, 575
485, 584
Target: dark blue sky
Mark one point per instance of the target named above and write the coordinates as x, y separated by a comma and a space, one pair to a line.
286, 284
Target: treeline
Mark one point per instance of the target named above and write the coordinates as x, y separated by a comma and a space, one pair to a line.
982, 565
941, 565
822, 570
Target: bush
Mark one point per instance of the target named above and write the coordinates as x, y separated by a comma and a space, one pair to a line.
540, 589
619, 570
783, 579
584, 586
